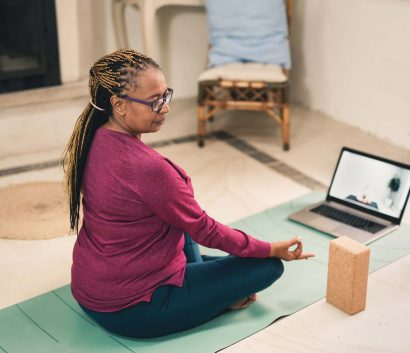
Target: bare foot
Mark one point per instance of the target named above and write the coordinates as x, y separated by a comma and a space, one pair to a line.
252, 298
243, 303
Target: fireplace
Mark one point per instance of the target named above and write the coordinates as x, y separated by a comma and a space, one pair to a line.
28, 45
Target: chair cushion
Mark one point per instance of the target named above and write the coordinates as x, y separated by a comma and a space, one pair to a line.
248, 31
245, 72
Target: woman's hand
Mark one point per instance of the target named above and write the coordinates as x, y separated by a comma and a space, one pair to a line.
280, 249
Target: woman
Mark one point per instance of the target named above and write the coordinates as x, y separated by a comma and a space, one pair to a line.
135, 269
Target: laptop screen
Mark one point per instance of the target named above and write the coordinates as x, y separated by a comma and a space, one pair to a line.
371, 183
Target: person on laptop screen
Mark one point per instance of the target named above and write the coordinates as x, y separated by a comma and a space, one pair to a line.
371, 183
363, 197
366, 198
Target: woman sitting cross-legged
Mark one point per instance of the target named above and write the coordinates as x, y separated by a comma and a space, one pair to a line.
136, 267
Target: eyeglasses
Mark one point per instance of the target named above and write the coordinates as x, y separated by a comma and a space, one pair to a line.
158, 103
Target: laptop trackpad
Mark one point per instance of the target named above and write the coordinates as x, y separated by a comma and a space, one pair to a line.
325, 223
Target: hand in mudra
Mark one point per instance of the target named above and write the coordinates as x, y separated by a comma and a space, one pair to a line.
281, 250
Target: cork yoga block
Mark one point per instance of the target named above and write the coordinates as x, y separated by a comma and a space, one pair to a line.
348, 271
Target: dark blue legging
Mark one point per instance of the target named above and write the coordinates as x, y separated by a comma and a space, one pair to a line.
211, 285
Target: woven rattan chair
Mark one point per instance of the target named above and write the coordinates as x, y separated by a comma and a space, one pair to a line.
245, 86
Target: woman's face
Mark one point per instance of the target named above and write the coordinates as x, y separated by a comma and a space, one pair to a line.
139, 118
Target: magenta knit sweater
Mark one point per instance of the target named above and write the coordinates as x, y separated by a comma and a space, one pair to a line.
136, 206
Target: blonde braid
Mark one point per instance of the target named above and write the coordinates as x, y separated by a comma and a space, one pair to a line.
108, 76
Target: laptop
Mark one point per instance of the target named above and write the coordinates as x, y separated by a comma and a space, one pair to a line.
365, 201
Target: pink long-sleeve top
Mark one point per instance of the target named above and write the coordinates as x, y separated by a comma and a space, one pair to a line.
136, 206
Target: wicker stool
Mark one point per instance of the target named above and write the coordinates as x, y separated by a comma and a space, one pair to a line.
244, 86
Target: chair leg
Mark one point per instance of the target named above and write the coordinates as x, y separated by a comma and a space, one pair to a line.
285, 127
201, 126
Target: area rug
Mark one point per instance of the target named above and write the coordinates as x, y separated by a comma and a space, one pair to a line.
36, 210
53, 322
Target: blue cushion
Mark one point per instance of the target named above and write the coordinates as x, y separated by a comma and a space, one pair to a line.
245, 31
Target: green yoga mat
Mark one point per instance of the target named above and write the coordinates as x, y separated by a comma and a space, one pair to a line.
54, 323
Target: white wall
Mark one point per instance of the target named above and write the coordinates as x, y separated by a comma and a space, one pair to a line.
86, 33
68, 40
351, 62
182, 43
82, 36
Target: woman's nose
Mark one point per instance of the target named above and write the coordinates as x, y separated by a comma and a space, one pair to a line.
165, 108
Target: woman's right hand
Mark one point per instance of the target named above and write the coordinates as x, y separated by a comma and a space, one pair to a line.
281, 250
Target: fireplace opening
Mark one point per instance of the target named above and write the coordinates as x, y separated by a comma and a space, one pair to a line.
28, 45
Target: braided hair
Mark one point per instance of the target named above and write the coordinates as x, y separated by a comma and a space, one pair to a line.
113, 74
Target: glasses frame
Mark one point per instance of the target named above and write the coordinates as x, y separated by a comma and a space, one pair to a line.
166, 98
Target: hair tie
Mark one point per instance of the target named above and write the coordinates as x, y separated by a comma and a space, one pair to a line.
96, 107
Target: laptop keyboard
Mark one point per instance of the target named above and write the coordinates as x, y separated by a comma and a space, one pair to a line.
348, 218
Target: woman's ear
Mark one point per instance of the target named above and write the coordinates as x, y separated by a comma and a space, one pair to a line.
118, 105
